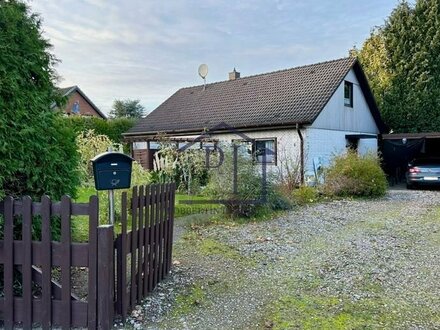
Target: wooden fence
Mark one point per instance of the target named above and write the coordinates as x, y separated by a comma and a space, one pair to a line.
34, 261
144, 252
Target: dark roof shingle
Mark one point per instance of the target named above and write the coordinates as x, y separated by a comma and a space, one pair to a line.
289, 96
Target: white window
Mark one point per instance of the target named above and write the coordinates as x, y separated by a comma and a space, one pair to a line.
154, 145
139, 145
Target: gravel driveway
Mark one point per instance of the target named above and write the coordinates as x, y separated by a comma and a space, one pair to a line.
363, 264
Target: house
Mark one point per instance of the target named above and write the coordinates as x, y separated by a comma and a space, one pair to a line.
304, 114
78, 103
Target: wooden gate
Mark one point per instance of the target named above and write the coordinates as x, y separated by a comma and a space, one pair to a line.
29, 262
144, 253
143, 258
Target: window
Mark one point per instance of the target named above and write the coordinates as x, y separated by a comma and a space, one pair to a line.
244, 148
348, 94
154, 145
75, 108
267, 149
139, 145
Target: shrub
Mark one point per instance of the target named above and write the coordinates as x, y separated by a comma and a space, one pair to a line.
354, 175
186, 168
91, 144
305, 195
249, 186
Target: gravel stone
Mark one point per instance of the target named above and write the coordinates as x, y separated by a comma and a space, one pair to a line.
337, 248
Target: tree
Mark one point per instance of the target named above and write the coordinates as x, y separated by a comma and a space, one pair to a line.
127, 109
401, 60
373, 57
37, 151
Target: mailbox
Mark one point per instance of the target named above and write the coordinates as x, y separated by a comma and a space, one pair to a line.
112, 170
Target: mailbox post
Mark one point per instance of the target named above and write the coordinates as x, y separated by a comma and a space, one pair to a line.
112, 170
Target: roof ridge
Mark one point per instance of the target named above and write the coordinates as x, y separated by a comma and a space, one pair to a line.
275, 71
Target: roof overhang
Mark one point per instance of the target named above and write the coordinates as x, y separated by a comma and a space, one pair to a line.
148, 135
399, 136
361, 136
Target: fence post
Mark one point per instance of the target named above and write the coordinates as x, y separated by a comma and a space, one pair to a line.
105, 277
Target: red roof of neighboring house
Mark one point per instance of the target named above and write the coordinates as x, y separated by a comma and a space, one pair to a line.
66, 91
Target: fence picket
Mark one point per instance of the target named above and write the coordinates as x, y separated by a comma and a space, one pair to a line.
93, 261
166, 226
27, 261
106, 276
146, 266
66, 262
156, 237
134, 210
151, 234
47, 262
9, 263
161, 231
122, 290
171, 224
140, 284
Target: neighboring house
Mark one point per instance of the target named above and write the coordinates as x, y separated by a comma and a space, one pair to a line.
78, 103
305, 114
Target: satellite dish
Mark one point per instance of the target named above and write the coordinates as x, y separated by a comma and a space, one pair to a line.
203, 70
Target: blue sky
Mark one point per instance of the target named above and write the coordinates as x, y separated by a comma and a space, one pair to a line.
146, 50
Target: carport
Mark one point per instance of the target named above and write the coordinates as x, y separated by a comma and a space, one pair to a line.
399, 149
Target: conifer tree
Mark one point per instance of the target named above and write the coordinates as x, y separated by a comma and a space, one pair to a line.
37, 151
402, 61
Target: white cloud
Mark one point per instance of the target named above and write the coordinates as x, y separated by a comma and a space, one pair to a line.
148, 49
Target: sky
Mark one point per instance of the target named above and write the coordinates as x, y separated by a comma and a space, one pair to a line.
147, 50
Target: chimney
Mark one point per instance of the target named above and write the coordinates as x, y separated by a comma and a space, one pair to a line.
234, 75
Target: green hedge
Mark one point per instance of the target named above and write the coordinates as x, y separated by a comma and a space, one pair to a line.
113, 128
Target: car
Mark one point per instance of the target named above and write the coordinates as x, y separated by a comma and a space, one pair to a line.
423, 171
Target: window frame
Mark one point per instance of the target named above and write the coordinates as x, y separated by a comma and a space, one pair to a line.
275, 156
350, 86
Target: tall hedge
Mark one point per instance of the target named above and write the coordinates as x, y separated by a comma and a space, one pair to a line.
402, 63
37, 151
113, 128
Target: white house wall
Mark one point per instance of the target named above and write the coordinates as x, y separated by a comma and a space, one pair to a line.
326, 137
321, 145
337, 116
288, 145
367, 145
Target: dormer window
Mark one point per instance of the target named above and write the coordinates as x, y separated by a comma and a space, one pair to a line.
348, 94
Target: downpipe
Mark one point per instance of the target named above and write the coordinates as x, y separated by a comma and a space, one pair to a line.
301, 153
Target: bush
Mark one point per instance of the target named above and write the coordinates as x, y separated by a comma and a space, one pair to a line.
249, 187
354, 175
186, 168
91, 144
305, 195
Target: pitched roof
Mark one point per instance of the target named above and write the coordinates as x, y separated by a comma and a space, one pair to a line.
66, 91
282, 97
